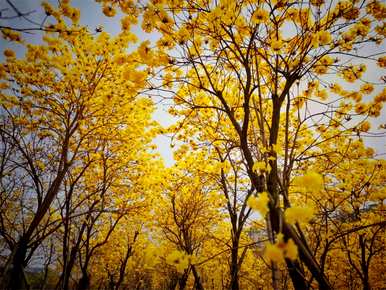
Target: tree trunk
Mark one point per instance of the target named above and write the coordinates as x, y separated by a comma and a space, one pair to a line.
289, 233
307, 258
66, 277
172, 284
366, 285
234, 270
182, 280
197, 279
295, 272
14, 275
275, 273
64, 280
84, 282
297, 275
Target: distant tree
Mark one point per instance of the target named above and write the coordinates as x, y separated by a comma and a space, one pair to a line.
187, 213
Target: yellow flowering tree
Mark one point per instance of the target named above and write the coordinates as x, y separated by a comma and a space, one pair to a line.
347, 225
187, 212
68, 103
273, 186
262, 68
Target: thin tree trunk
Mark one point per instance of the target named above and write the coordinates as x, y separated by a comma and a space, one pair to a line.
234, 269
84, 282
14, 276
197, 279
274, 269
182, 280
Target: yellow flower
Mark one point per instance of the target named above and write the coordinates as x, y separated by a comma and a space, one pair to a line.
310, 182
259, 203
324, 37
349, 75
298, 214
136, 77
280, 250
364, 127
354, 95
183, 35
361, 108
11, 34
75, 15
382, 61
166, 42
109, 11
291, 250
366, 88
48, 9
322, 94
40, 165
259, 166
144, 50
9, 53
336, 88
381, 97
178, 259
260, 16
273, 253
126, 22
276, 45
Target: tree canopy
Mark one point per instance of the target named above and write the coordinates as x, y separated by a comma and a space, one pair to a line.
274, 183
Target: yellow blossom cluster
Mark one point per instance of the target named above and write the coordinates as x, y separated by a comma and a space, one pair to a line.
364, 126
261, 166
260, 16
109, 10
352, 73
299, 214
280, 250
322, 66
382, 61
310, 182
10, 34
320, 38
259, 203
179, 259
324, 37
9, 53
276, 45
